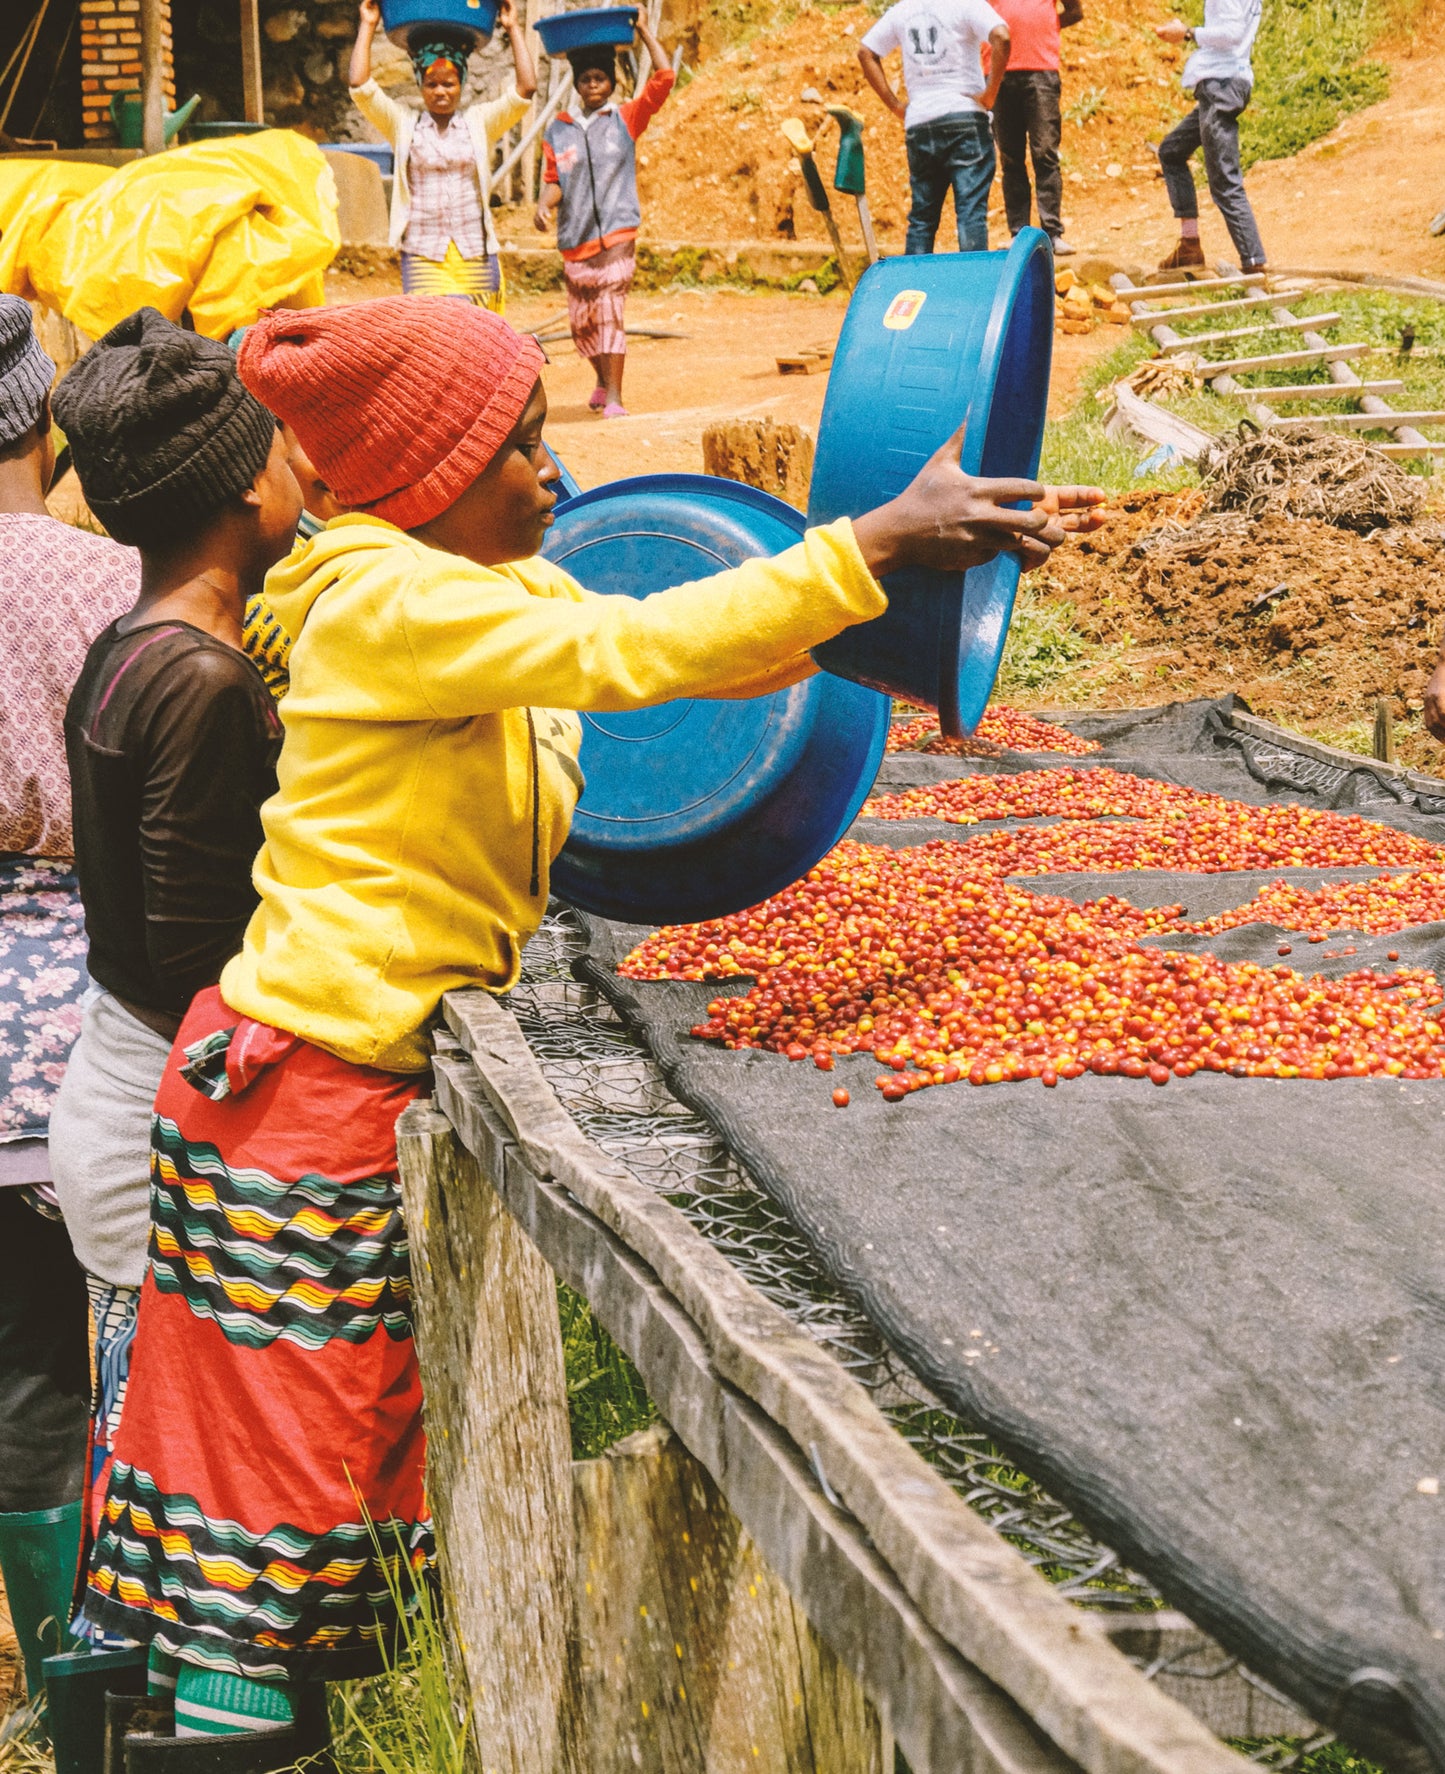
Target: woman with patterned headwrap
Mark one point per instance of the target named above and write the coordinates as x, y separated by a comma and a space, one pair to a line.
440, 209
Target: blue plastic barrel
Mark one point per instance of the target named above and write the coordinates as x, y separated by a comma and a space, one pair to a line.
697, 808
928, 343
400, 18
588, 26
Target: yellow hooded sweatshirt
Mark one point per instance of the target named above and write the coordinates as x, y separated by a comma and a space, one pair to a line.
404, 852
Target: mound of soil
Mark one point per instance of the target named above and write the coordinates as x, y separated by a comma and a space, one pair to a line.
713, 165
1308, 622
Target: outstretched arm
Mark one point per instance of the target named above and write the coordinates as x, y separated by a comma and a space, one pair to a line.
521, 55
360, 70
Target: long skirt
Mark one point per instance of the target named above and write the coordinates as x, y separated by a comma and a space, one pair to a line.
270, 1455
478, 281
596, 294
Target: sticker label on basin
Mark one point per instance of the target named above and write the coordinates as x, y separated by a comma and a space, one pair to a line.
904, 309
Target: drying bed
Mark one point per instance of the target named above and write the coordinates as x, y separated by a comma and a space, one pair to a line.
1205, 1318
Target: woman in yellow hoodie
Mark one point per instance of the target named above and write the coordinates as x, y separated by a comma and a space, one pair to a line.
426, 781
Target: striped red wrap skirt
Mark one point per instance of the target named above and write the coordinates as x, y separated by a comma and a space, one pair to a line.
270, 1453
596, 294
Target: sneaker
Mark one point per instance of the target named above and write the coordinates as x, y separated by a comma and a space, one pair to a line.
614, 410
1188, 256
1063, 249
597, 399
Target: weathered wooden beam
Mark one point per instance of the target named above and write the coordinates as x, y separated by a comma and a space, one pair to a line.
1282, 360
945, 1715
972, 1589
1190, 340
499, 1452
1308, 391
1200, 310
153, 20
692, 1658
1389, 421
1186, 288
252, 80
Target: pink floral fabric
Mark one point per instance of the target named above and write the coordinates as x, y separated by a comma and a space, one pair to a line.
42, 977
59, 587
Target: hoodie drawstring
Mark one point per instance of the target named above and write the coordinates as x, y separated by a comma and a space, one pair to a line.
536, 886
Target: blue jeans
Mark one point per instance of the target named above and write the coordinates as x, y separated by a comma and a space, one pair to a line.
1213, 125
956, 150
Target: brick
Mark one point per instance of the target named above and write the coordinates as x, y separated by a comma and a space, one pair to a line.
119, 84
92, 8
136, 68
120, 52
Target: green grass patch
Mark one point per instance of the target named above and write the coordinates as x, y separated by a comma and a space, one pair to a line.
606, 1399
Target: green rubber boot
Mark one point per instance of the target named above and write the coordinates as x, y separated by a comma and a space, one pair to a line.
39, 1549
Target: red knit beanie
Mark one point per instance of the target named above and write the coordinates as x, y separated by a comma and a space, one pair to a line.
400, 403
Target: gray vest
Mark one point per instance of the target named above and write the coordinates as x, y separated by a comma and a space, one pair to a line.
597, 167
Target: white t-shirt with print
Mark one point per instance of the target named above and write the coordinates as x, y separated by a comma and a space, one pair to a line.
941, 41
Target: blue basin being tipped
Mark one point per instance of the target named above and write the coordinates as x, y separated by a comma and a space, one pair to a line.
697, 808
928, 343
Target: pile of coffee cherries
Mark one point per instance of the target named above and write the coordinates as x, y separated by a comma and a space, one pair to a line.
1001, 729
930, 960
1373, 908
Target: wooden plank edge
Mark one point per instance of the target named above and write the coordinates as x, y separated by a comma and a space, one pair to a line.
1258, 728
943, 1711
970, 1585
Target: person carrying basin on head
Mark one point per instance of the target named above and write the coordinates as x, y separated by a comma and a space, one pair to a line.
427, 781
1221, 76
590, 175
1026, 118
441, 214
945, 118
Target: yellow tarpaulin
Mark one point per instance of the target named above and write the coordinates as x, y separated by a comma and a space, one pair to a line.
225, 229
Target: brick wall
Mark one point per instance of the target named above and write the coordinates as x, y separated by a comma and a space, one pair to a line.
110, 61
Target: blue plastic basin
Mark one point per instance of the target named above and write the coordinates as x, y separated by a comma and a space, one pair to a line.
401, 18
697, 808
591, 25
378, 153
930, 342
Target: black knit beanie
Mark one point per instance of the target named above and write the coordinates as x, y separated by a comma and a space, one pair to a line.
161, 429
593, 55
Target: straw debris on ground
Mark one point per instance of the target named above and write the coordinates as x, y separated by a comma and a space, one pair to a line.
1312, 473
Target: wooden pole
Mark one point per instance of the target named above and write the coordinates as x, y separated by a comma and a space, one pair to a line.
153, 75
255, 105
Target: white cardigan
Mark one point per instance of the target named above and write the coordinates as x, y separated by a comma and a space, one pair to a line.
485, 122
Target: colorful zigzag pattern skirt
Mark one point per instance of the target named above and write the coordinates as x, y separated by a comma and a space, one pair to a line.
268, 1465
479, 281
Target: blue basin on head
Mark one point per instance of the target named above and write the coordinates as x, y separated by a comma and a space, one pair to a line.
928, 343
588, 26
400, 18
697, 808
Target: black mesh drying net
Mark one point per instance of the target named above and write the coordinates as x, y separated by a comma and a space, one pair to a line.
1208, 1320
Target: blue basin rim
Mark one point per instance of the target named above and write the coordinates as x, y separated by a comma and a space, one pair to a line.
587, 26
942, 638
401, 17
699, 807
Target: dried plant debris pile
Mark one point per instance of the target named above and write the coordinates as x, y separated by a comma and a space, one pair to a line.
1309, 622
946, 977
1325, 475
1001, 729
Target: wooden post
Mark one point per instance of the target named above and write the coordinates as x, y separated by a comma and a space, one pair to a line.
255, 104
498, 1448
153, 75
692, 1656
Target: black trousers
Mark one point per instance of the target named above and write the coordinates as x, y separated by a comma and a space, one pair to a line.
1026, 117
44, 1361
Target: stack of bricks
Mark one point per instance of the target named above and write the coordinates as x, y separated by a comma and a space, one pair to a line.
110, 61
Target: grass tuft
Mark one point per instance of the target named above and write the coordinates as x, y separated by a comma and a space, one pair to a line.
606, 1399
